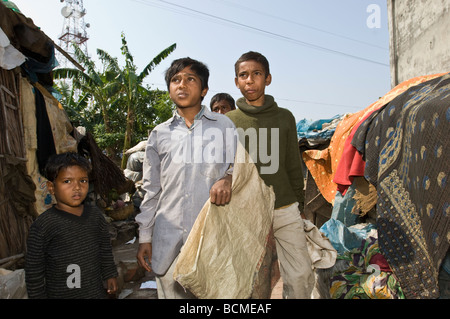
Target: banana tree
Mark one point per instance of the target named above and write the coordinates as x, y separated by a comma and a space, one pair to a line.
131, 84
76, 105
100, 87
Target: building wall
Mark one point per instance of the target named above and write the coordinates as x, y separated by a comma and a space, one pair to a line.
419, 38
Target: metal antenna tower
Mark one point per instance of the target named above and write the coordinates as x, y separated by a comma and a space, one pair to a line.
74, 28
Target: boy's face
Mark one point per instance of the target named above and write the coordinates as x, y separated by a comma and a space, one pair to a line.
70, 188
185, 89
252, 81
221, 107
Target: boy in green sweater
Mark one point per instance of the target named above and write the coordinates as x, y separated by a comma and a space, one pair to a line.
264, 129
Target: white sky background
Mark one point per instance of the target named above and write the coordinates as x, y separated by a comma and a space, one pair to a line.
324, 58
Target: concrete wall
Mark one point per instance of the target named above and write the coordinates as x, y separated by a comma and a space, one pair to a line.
419, 38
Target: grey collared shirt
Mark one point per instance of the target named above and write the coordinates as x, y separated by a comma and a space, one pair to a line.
180, 166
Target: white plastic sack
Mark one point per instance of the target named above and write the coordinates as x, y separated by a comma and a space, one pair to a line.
221, 256
321, 251
12, 284
10, 57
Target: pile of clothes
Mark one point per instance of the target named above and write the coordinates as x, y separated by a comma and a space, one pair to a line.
399, 147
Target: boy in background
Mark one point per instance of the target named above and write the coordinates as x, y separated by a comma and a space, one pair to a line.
176, 181
222, 103
69, 252
277, 134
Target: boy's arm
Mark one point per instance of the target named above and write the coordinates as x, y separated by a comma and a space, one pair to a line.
220, 193
294, 164
109, 269
111, 286
152, 188
145, 250
35, 265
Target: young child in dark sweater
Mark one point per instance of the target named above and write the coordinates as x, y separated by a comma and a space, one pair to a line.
69, 253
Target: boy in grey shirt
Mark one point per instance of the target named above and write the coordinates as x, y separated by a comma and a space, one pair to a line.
188, 159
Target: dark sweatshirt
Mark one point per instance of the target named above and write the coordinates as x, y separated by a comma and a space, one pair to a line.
64, 250
287, 180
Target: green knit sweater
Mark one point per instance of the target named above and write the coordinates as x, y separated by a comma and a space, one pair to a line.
287, 180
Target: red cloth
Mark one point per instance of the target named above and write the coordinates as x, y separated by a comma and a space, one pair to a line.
378, 259
351, 163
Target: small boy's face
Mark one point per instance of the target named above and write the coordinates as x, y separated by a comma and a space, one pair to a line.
221, 107
252, 81
70, 188
185, 89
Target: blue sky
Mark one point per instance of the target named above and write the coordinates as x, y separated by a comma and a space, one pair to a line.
325, 58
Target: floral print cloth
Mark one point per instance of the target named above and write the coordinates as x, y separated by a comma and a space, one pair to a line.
366, 277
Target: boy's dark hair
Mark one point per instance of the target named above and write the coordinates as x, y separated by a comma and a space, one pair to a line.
59, 161
223, 96
253, 56
198, 67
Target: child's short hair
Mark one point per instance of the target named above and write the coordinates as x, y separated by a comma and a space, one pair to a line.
253, 56
223, 96
198, 67
59, 161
